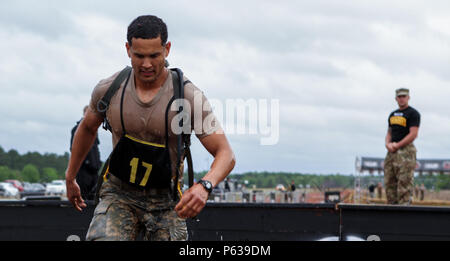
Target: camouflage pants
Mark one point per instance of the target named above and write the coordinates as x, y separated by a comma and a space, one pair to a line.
399, 175
127, 214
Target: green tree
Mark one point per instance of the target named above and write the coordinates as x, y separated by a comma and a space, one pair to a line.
49, 174
3, 157
15, 174
30, 173
443, 182
14, 159
4, 173
7, 173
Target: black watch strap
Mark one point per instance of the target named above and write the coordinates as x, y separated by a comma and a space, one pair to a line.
207, 185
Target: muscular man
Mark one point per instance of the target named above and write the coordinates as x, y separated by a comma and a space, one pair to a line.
137, 194
400, 161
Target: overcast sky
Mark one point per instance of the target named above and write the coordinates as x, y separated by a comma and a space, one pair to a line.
332, 65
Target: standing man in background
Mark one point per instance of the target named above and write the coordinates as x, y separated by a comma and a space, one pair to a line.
88, 174
380, 190
422, 192
400, 161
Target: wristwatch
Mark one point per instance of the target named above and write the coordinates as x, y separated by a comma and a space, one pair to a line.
207, 185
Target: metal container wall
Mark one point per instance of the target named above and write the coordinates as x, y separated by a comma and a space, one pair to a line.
57, 220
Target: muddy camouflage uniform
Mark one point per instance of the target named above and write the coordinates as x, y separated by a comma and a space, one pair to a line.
399, 175
126, 213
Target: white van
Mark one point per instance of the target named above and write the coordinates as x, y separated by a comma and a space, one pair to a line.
9, 190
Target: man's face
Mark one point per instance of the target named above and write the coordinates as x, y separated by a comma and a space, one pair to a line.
402, 100
147, 58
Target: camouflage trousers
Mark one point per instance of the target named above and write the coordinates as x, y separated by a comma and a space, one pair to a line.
125, 214
399, 175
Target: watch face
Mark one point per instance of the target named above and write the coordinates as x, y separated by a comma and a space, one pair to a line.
206, 184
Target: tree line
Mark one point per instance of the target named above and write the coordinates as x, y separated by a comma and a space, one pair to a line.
324, 182
272, 179
32, 166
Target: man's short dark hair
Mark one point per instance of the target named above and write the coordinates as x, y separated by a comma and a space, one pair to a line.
147, 27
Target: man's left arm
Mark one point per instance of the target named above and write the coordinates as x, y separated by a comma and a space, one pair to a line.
194, 199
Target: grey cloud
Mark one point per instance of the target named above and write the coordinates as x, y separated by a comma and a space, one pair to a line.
47, 19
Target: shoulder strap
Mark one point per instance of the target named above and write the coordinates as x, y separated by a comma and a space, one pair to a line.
183, 138
103, 103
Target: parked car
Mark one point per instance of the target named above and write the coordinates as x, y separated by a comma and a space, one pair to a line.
56, 187
17, 184
9, 190
2, 191
32, 189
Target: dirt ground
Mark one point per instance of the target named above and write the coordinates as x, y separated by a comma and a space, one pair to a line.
432, 198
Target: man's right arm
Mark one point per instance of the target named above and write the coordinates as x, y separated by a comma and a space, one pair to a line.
83, 140
388, 140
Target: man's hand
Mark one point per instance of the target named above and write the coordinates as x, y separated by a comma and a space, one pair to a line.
395, 146
392, 147
192, 201
389, 147
74, 195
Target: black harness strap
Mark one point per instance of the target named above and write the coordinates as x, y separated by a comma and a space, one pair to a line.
100, 181
183, 138
103, 103
178, 93
121, 104
188, 155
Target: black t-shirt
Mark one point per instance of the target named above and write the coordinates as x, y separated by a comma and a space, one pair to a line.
401, 120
